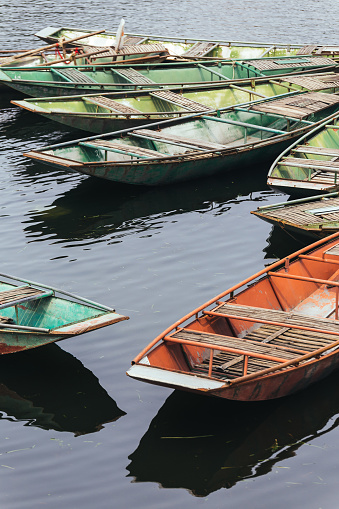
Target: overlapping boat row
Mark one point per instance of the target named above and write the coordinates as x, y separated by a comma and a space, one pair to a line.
213, 106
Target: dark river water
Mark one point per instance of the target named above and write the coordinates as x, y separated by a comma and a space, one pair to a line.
75, 431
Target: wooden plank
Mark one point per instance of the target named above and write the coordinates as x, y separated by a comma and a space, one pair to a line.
72, 75
134, 76
324, 151
105, 102
200, 49
307, 49
313, 164
299, 106
180, 100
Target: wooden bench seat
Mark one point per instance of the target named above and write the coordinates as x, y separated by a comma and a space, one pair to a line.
72, 75
180, 100
285, 317
106, 102
21, 294
323, 151
312, 164
200, 49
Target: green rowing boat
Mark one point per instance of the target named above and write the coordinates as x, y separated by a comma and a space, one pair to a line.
195, 146
34, 315
310, 165
66, 80
125, 110
188, 47
316, 216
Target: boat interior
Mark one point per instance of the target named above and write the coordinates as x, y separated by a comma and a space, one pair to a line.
287, 317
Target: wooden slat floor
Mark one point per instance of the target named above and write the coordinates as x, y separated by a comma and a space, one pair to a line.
293, 339
300, 214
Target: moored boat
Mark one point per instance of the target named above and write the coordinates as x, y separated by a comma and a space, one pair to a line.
267, 337
190, 47
42, 81
34, 315
201, 144
310, 165
126, 110
316, 216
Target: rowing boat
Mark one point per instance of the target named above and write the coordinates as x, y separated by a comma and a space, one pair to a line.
267, 337
126, 110
190, 47
74, 52
34, 315
86, 79
316, 216
198, 145
310, 165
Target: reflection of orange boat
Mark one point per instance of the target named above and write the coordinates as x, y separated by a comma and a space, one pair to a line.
270, 339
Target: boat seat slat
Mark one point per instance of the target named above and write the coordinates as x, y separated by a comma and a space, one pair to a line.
180, 100
287, 318
307, 49
323, 151
315, 82
200, 49
199, 144
73, 75
245, 345
105, 102
299, 106
134, 76
266, 64
130, 49
313, 164
21, 294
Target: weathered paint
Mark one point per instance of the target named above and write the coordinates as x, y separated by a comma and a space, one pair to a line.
297, 179
43, 81
306, 297
77, 111
55, 318
318, 226
239, 146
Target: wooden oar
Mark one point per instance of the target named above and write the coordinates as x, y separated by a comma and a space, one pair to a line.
43, 48
73, 56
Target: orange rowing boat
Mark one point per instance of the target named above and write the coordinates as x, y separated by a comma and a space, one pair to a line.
258, 342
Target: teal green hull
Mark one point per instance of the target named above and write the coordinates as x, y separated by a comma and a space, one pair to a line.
193, 147
35, 320
40, 82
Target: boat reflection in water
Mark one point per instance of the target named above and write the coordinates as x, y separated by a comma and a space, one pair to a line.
94, 210
51, 389
204, 444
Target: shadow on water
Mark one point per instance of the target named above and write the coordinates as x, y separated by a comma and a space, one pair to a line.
51, 389
96, 208
281, 243
204, 444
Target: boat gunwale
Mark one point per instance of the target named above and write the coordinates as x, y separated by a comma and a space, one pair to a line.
248, 281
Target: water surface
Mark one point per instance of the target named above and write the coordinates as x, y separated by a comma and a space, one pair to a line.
75, 431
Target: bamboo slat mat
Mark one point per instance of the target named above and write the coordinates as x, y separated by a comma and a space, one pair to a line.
315, 82
269, 64
298, 106
180, 100
300, 214
18, 293
200, 49
111, 105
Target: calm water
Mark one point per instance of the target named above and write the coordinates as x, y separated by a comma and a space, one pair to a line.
75, 431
